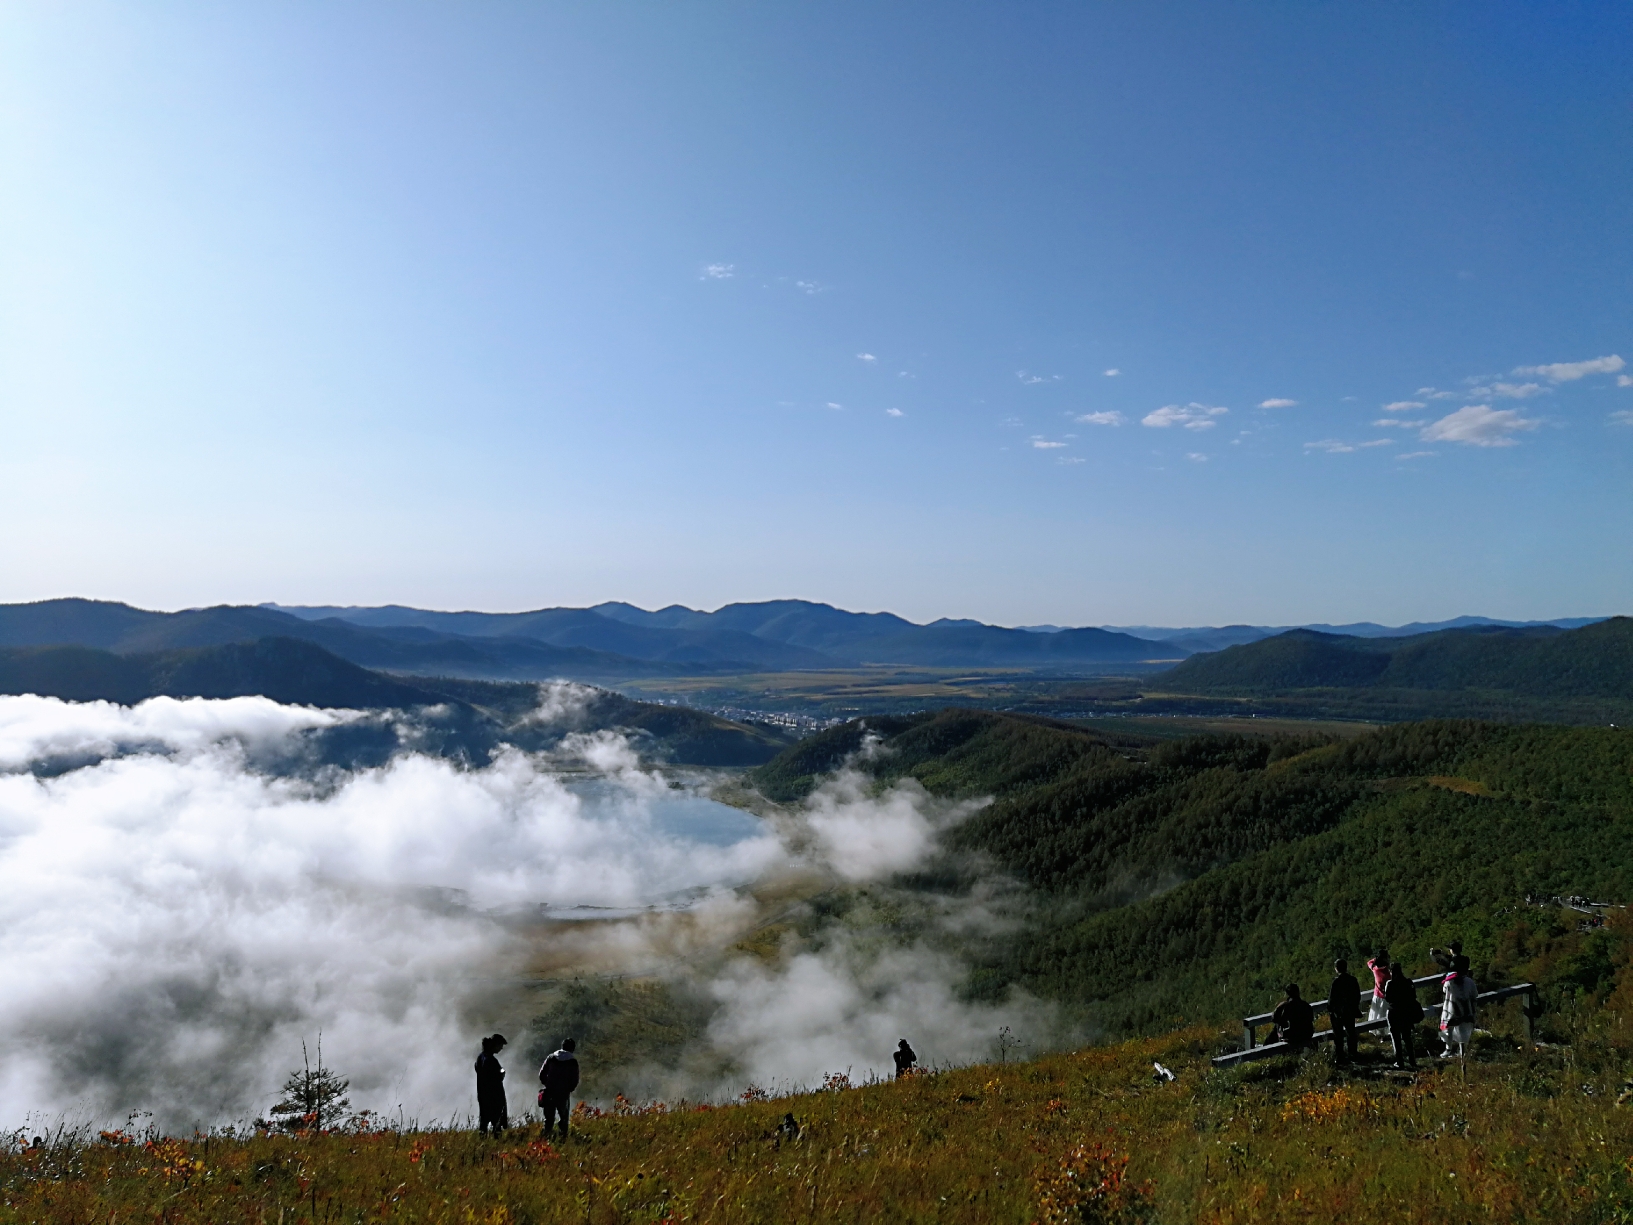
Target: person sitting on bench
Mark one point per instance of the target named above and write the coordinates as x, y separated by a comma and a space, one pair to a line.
1294, 1018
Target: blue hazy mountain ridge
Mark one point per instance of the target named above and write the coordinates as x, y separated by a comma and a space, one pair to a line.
1196, 639
1590, 661
828, 636
410, 649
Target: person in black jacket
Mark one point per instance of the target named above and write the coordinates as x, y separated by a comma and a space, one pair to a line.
559, 1076
1294, 1018
1344, 1007
1401, 999
490, 1088
904, 1058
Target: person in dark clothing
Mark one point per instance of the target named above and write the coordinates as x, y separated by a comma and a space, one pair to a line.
904, 1058
1294, 1018
1445, 958
1401, 1000
559, 1076
490, 1088
1344, 1007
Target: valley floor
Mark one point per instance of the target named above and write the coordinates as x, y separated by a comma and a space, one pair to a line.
1517, 1135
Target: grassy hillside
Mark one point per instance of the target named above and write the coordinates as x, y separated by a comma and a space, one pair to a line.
1516, 1135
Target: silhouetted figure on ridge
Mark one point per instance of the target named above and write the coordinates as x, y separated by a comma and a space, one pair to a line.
1344, 1007
493, 1112
904, 1058
559, 1076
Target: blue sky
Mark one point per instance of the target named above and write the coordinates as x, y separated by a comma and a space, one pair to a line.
505, 306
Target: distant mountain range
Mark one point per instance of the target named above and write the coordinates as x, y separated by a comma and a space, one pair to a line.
1196, 639
615, 642
467, 719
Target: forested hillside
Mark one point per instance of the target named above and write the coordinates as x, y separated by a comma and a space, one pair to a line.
1189, 879
1540, 672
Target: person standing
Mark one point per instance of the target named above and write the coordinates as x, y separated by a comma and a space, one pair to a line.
493, 1113
1460, 992
904, 1058
1344, 1007
559, 1076
1378, 963
1404, 1012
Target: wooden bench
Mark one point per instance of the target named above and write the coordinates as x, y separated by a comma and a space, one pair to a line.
1252, 1049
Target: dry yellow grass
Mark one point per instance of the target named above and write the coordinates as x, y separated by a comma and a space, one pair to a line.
1520, 1136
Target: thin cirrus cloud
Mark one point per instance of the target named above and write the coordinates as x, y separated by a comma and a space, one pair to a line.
1569, 372
894, 412
1113, 372
1508, 391
1044, 444
1415, 455
1332, 446
1278, 403
1479, 425
1196, 457
1027, 377
1192, 416
1107, 418
866, 357
718, 272
1624, 417
1399, 423
1404, 406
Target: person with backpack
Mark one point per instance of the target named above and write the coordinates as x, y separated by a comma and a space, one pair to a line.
1404, 1012
1460, 992
492, 1109
559, 1076
1344, 1007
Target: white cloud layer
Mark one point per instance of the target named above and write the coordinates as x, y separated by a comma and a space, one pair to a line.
1106, 418
1567, 372
1278, 403
1479, 425
1192, 416
177, 920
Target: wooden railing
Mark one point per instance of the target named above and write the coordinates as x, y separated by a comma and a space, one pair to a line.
1252, 1049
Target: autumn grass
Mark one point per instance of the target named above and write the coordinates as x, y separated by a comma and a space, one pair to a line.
1515, 1135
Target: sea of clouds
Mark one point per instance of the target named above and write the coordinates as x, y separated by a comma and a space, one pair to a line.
179, 914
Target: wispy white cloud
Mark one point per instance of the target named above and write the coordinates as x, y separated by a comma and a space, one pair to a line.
894, 412
1192, 416
1569, 372
1196, 457
1479, 425
1508, 391
809, 286
718, 272
1069, 459
1332, 446
1625, 417
1405, 406
1113, 372
866, 357
1415, 455
1029, 378
1429, 393
836, 407
1278, 403
1394, 422
1043, 444
1624, 380
1108, 418
1379, 442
